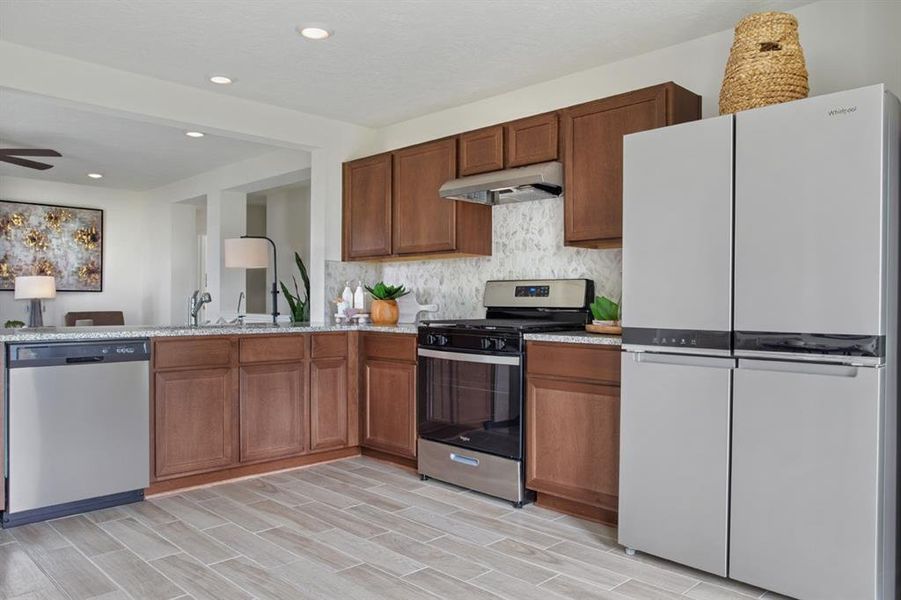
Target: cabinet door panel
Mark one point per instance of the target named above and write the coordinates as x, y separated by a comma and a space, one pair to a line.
273, 412
367, 207
482, 151
194, 421
390, 407
328, 403
423, 221
532, 140
572, 440
593, 137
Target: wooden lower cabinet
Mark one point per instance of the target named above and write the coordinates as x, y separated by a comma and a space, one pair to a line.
195, 421
572, 427
273, 404
328, 403
389, 406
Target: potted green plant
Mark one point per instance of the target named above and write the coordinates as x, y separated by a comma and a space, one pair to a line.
384, 302
607, 315
300, 307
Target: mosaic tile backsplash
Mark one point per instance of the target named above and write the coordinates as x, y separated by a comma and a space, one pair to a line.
528, 244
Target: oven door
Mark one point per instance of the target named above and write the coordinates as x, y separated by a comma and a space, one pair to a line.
471, 400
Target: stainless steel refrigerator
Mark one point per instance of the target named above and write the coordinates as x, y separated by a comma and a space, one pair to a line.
759, 394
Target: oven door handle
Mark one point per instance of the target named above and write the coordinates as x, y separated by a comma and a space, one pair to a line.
486, 359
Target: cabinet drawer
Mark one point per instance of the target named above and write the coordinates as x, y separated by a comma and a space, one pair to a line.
389, 346
573, 361
274, 348
193, 352
329, 345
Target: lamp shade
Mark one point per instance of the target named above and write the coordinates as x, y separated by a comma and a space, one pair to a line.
35, 287
247, 253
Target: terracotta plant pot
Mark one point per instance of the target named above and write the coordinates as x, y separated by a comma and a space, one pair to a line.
384, 312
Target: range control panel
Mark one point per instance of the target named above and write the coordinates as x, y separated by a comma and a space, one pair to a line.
532, 291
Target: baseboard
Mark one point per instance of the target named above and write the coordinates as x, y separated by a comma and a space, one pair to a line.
403, 461
578, 509
202, 479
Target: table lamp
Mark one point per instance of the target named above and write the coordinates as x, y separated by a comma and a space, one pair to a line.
252, 252
35, 288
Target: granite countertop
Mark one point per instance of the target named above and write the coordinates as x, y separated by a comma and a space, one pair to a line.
576, 337
48, 334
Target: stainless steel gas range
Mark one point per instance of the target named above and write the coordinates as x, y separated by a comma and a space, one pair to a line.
470, 400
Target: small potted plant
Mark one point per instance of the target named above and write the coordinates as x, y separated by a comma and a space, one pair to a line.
607, 314
384, 302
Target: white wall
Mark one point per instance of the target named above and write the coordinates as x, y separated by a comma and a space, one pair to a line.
847, 44
288, 224
124, 236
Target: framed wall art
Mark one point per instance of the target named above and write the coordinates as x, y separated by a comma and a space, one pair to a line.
64, 242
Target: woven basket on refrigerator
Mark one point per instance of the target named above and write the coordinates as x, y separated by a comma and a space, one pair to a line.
766, 63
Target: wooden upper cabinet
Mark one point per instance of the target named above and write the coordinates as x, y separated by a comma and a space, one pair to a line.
273, 411
593, 156
532, 140
195, 423
423, 221
481, 151
367, 207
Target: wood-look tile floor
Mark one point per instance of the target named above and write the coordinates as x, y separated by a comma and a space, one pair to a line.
354, 529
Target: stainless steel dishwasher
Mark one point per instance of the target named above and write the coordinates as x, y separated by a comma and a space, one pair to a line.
79, 427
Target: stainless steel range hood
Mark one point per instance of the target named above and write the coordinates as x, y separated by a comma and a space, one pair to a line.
535, 182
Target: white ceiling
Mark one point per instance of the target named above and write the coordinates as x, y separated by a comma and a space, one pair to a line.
130, 154
388, 61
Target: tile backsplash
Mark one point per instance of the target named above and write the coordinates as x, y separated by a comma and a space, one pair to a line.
528, 244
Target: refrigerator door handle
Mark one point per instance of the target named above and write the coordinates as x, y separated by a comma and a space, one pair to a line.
833, 370
684, 360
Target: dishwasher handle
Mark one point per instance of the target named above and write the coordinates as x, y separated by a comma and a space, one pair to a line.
84, 359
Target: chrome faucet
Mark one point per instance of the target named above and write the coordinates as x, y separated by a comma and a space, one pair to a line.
197, 302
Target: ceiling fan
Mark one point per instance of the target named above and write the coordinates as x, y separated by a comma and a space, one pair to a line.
11, 155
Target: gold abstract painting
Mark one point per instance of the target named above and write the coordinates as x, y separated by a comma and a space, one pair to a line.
60, 241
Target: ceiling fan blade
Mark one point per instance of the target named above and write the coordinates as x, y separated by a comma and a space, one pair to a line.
29, 152
31, 164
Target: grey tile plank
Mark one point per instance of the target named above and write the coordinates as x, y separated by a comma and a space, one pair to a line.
561, 563
189, 512
137, 577
541, 512
297, 517
666, 565
512, 588
85, 535
195, 542
236, 492
19, 575
639, 590
48, 594
586, 525
452, 526
412, 499
401, 481
395, 522
667, 580
709, 591
261, 583
343, 520
38, 536
240, 514
478, 503
139, 538
577, 589
199, 494
6, 537
309, 548
276, 492
558, 530
348, 477
73, 573
197, 579
322, 584
504, 563
371, 553
320, 494
252, 546
149, 513
506, 529
431, 556
350, 491
448, 587
384, 585
106, 514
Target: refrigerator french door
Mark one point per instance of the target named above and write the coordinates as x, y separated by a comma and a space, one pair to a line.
814, 454
677, 323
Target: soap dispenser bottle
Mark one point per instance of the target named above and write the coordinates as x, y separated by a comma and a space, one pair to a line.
347, 296
359, 297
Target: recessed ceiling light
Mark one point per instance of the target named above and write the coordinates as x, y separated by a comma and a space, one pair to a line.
95, 175
314, 32
194, 134
220, 79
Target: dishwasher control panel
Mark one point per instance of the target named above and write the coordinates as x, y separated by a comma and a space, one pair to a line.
47, 354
